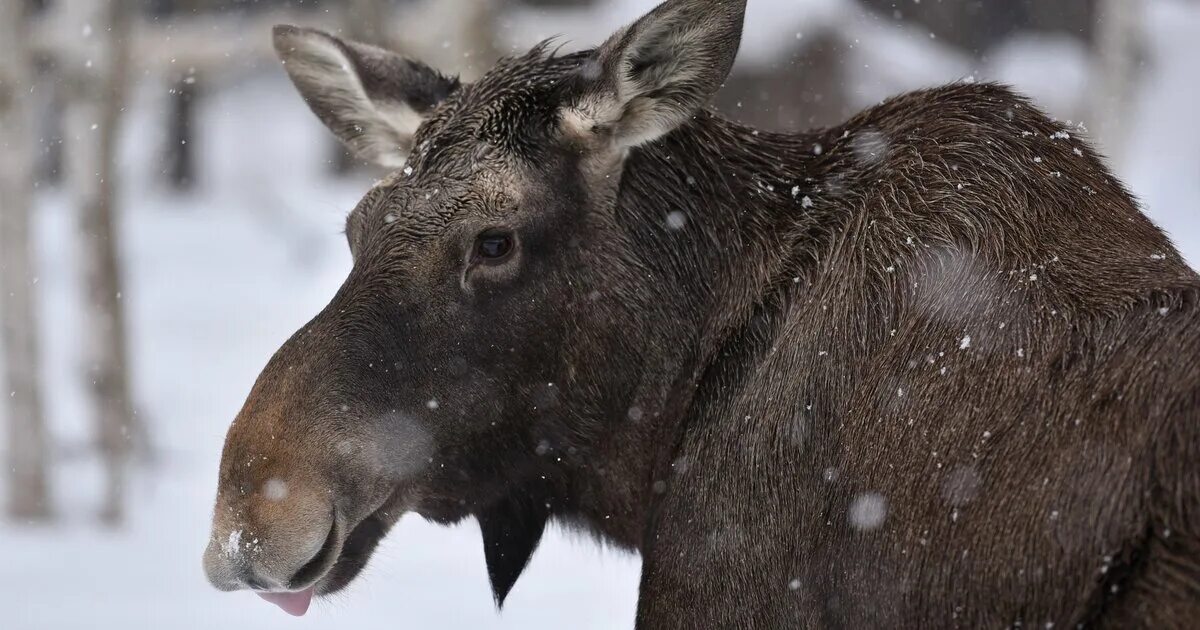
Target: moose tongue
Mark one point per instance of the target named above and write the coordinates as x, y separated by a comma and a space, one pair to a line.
293, 603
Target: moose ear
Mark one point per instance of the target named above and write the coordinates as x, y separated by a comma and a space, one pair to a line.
655, 74
512, 529
371, 98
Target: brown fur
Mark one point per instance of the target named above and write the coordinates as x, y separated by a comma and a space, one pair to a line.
1070, 416
928, 368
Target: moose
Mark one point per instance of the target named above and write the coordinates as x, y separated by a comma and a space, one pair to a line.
928, 368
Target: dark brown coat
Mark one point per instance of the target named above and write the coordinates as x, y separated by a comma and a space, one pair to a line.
928, 368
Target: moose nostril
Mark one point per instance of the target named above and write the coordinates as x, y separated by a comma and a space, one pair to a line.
232, 574
255, 584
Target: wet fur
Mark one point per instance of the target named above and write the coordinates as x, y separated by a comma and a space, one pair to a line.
826, 283
1073, 408
947, 306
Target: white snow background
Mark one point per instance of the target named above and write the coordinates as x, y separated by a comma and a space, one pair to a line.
217, 280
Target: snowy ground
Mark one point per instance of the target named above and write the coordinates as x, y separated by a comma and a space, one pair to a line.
219, 279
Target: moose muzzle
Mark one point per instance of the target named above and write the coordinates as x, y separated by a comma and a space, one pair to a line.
277, 538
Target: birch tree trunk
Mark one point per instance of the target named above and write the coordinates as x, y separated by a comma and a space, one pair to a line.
94, 63
28, 486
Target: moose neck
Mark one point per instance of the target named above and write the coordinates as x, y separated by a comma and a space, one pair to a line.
713, 209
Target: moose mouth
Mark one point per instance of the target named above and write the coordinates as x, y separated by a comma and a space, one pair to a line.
339, 561
352, 558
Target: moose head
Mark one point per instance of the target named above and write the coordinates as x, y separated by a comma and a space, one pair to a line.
520, 315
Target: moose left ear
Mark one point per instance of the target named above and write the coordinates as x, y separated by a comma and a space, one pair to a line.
512, 529
655, 74
372, 99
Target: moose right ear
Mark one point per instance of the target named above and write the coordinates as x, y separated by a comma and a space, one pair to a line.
655, 74
371, 98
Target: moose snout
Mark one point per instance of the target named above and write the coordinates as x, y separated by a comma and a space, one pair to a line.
234, 563
271, 545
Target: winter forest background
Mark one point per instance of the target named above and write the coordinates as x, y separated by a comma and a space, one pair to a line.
170, 212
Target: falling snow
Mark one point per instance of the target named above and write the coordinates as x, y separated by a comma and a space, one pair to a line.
274, 212
868, 511
275, 489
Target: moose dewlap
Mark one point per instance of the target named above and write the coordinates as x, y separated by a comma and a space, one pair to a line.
927, 368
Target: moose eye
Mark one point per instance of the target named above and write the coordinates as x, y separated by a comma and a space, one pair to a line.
493, 245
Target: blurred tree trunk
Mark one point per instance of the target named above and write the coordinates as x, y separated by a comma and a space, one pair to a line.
977, 26
805, 88
94, 65
48, 103
474, 48
180, 150
1118, 46
28, 486
480, 49
369, 21
465, 40
366, 21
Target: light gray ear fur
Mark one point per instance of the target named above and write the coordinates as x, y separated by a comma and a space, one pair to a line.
655, 74
372, 99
